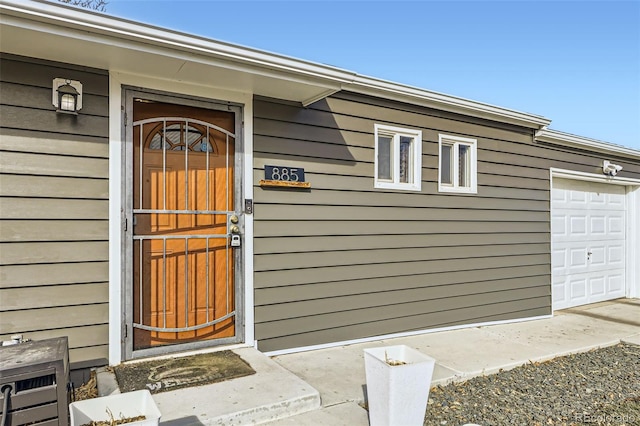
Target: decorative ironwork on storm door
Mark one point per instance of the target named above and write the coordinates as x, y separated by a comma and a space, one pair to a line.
183, 199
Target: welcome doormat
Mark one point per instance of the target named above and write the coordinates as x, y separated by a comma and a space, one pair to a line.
176, 373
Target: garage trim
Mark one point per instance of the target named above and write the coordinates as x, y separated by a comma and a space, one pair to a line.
632, 218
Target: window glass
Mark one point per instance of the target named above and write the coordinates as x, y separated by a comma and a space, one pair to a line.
463, 165
446, 169
179, 137
398, 158
384, 157
405, 158
458, 168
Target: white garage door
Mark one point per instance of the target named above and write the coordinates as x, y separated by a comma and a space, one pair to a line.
588, 242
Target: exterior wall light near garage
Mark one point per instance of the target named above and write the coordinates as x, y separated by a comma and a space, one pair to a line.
610, 169
67, 95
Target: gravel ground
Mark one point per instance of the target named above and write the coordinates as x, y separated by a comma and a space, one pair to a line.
600, 387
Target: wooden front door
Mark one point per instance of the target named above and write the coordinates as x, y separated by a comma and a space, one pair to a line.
183, 269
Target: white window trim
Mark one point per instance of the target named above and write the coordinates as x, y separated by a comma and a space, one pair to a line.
416, 166
473, 165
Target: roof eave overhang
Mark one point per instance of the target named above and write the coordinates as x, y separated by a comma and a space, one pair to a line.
555, 137
435, 100
99, 41
62, 33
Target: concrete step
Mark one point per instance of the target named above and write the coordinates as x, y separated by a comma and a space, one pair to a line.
345, 414
271, 394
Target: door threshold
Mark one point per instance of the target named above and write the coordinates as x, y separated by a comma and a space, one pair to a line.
189, 353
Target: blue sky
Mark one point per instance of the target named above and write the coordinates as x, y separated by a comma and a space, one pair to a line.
575, 62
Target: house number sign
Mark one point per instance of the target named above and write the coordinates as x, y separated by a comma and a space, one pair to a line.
285, 174
281, 176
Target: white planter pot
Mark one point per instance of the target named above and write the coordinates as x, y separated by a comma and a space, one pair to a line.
397, 394
123, 405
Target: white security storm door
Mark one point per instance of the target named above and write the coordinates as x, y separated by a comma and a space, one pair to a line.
183, 287
588, 242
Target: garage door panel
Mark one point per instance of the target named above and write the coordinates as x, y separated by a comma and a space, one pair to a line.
559, 226
559, 260
615, 255
578, 226
597, 286
612, 199
615, 284
597, 200
558, 196
597, 225
609, 285
577, 289
568, 259
578, 198
617, 201
597, 256
577, 260
572, 225
616, 226
584, 190
588, 242
583, 288
559, 292
569, 225
570, 290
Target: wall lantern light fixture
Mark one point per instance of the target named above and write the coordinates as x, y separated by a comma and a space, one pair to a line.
67, 95
610, 169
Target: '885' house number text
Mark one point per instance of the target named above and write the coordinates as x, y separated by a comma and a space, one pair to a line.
286, 174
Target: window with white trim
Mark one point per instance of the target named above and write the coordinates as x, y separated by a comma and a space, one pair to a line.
398, 158
457, 170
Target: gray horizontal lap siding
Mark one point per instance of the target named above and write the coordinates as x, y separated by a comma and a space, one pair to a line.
344, 261
54, 209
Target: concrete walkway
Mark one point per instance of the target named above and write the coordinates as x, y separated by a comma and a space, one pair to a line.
338, 373
271, 393
326, 387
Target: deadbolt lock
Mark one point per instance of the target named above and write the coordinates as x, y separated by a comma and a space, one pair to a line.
233, 219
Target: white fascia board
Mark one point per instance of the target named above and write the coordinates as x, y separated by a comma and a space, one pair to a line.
566, 139
111, 27
417, 96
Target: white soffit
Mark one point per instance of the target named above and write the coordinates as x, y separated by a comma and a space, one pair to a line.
566, 139
66, 34
56, 32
